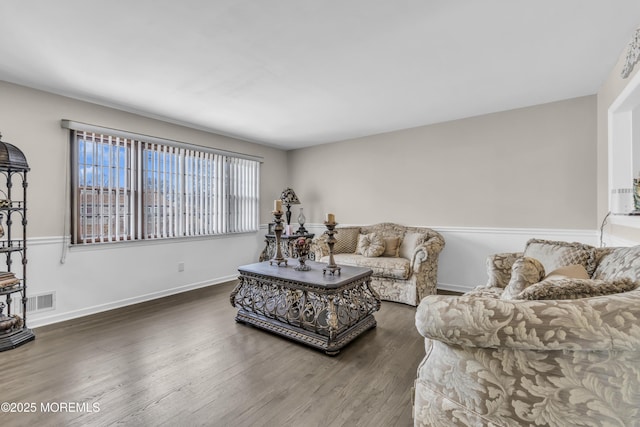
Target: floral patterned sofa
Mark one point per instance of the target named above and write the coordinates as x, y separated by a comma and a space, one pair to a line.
534, 347
404, 260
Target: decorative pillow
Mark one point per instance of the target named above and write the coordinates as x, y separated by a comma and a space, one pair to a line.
370, 245
408, 245
575, 271
619, 263
499, 268
391, 246
575, 288
555, 254
346, 240
524, 273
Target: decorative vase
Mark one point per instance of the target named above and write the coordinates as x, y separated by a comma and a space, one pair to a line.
301, 247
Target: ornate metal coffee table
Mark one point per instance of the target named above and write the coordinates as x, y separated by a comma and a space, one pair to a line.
320, 310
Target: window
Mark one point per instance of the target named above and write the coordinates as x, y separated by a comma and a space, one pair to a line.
624, 154
132, 187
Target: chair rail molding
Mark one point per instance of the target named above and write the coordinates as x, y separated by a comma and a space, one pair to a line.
461, 265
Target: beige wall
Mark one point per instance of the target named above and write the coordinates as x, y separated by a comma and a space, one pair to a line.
30, 119
530, 167
610, 90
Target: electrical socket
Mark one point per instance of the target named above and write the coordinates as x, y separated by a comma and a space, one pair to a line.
181, 266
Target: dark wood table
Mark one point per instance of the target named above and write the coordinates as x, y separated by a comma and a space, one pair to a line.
323, 311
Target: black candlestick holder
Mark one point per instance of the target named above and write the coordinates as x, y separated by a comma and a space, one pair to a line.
277, 229
331, 240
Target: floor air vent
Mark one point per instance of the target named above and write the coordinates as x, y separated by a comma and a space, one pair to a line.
42, 302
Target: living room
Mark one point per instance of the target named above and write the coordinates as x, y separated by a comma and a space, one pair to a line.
487, 182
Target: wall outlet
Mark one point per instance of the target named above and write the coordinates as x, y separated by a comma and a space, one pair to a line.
181, 266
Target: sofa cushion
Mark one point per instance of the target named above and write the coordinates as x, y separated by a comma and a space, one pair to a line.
575, 288
408, 245
556, 254
393, 268
619, 263
370, 245
524, 273
346, 240
574, 271
391, 246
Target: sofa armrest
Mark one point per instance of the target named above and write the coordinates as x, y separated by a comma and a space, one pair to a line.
424, 263
609, 322
429, 249
499, 268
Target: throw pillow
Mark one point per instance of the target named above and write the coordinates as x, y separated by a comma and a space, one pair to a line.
370, 245
346, 240
391, 246
524, 273
408, 245
574, 271
555, 254
575, 288
618, 263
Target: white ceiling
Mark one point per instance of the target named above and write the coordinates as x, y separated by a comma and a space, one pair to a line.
295, 73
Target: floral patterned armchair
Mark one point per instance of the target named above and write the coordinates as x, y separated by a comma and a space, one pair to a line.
497, 360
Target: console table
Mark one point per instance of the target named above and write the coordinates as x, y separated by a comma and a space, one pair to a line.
320, 310
286, 242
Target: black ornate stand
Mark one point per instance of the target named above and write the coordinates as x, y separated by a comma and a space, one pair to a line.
13, 244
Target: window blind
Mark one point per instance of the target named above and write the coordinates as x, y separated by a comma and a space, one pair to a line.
132, 189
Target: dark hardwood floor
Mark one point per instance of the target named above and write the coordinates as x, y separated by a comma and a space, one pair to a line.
184, 361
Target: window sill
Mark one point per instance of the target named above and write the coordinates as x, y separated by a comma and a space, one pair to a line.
631, 221
149, 242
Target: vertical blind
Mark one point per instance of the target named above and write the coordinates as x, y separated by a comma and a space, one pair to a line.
131, 189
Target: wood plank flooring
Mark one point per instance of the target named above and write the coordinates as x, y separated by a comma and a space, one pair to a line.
184, 361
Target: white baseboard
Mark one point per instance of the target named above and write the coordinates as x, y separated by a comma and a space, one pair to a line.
613, 241
43, 321
453, 288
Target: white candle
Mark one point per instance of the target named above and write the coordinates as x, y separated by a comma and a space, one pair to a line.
331, 218
277, 205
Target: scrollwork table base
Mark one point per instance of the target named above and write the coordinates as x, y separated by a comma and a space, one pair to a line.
322, 311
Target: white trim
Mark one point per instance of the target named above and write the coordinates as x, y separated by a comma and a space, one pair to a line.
560, 232
632, 221
49, 240
91, 281
519, 231
36, 241
43, 321
453, 288
461, 265
616, 241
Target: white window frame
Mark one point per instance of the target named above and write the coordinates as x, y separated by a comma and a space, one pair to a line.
161, 189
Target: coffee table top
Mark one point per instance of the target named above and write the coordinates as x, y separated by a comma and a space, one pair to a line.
313, 277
